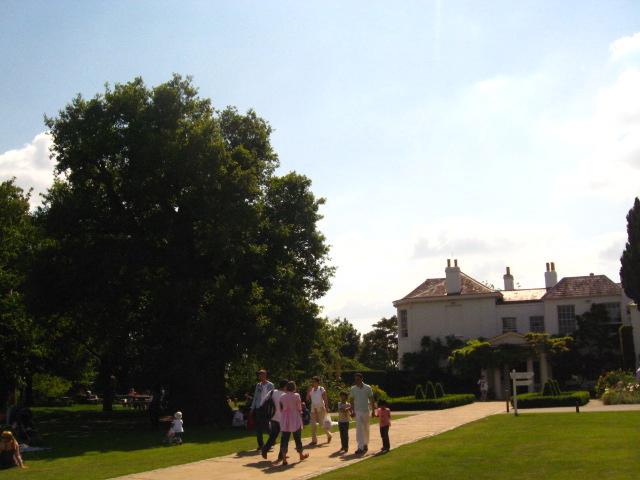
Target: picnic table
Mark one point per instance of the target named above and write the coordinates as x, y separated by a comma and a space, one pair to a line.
139, 401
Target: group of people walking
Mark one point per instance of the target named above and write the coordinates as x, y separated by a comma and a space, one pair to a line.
278, 411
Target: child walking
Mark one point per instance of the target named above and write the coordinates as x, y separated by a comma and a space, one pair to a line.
384, 414
176, 429
344, 412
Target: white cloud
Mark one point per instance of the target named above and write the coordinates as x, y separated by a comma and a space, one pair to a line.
605, 143
375, 270
30, 165
625, 47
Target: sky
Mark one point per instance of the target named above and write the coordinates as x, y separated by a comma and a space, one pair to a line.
497, 133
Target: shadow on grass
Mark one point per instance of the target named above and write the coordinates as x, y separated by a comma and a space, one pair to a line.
85, 429
74, 431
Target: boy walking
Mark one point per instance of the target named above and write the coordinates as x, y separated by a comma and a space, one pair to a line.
344, 413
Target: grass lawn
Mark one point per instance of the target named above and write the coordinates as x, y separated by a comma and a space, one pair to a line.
87, 444
547, 446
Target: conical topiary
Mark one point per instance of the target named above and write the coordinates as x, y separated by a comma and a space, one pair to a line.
430, 391
439, 390
419, 394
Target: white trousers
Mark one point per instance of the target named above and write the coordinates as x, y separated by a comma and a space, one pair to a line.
317, 417
362, 429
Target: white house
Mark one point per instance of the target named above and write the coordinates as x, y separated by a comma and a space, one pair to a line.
461, 306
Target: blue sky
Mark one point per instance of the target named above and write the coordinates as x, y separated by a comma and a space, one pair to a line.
498, 133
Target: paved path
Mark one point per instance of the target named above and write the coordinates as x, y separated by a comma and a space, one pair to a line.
323, 458
592, 406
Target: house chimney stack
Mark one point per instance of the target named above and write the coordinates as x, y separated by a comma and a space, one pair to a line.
453, 281
550, 276
508, 280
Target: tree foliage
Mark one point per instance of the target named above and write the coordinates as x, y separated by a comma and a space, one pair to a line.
432, 358
630, 260
176, 249
20, 336
379, 348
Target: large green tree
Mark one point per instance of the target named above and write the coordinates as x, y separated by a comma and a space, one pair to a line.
630, 260
21, 344
178, 251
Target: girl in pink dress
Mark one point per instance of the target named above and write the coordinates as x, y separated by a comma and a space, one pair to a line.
291, 422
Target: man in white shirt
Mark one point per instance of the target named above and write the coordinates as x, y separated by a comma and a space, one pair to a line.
363, 404
263, 387
275, 420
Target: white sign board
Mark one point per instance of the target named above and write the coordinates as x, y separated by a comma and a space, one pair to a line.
521, 375
519, 379
523, 383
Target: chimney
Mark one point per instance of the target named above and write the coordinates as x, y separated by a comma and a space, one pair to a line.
453, 280
550, 276
508, 280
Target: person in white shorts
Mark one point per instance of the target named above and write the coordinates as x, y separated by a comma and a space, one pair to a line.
317, 395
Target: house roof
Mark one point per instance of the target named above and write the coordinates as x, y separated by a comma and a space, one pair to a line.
524, 295
587, 286
436, 287
513, 338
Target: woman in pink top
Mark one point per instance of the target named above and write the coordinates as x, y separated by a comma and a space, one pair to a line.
291, 422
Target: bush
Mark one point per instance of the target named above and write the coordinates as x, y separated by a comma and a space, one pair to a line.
439, 390
551, 388
626, 394
447, 401
565, 399
612, 378
379, 394
430, 391
419, 394
47, 387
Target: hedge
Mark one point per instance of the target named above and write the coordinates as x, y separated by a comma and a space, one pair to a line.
448, 401
565, 399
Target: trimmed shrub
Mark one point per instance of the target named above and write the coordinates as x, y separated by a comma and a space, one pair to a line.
419, 394
430, 391
565, 399
612, 378
447, 401
551, 388
439, 390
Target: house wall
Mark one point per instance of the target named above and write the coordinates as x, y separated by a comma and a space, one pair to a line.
468, 318
635, 324
581, 306
482, 317
521, 312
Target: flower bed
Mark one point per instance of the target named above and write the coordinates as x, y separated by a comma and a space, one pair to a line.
622, 394
565, 399
447, 401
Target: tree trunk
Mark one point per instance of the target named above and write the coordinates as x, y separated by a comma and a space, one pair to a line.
202, 397
108, 385
27, 397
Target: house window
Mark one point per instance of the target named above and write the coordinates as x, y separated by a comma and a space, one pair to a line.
566, 319
404, 327
509, 324
536, 324
613, 309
